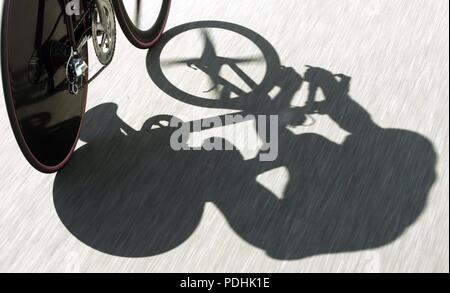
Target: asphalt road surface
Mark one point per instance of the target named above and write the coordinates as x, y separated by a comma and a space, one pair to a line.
363, 186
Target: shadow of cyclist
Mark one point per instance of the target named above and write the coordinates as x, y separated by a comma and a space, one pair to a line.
128, 193
362, 194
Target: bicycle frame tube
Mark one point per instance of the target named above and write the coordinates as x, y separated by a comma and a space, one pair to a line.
70, 26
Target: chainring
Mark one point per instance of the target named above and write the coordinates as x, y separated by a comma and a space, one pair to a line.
104, 34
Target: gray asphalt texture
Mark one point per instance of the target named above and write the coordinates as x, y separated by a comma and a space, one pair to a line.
361, 187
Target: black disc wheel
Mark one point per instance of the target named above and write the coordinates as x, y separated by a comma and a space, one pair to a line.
45, 118
142, 22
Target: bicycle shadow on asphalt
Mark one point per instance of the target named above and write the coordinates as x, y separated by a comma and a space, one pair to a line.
128, 193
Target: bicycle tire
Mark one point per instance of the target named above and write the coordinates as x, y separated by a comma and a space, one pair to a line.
45, 119
146, 38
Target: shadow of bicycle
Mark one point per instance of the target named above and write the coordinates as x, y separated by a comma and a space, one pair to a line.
128, 193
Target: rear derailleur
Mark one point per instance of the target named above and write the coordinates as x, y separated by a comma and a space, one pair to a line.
76, 71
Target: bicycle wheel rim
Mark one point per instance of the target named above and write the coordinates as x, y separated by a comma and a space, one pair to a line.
46, 119
142, 38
